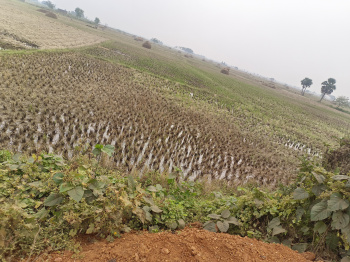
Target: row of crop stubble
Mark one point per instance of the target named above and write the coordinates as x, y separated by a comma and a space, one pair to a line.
54, 101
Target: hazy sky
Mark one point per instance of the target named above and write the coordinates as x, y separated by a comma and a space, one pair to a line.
284, 39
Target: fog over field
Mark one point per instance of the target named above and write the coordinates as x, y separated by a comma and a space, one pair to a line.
287, 40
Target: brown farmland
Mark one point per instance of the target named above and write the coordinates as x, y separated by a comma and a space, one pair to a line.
53, 101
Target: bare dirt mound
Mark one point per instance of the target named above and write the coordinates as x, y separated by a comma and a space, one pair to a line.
190, 244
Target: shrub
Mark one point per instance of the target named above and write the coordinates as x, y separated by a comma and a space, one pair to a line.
147, 45
43, 11
225, 71
52, 15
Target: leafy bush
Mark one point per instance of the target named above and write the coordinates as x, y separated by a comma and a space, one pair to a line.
147, 45
48, 201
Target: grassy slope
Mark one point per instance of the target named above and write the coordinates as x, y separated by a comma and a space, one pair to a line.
273, 120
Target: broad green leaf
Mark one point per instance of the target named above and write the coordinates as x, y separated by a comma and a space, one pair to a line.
336, 202
300, 194
320, 227
98, 146
214, 216
305, 229
340, 220
65, 187
146, 208
31, 160
148, 216
156, 209
16, 157
299, 213
87, 193
76, 193
300, 247
225, 214
320, 178
108, 149
43, 213
332, 241
287, 243
172, 225
152, 189
159, 187
58, 178
91, 229
340, 177
346, 232
318, 189
141, 214
223, 226
96, 185
153, 229
181, 223
233, 220
53, 199
320, 211
96, 151
274, 223
274, 239
210, 226
278, 230
149, 200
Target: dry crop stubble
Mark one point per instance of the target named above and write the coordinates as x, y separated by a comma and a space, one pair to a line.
85, 99
23, 21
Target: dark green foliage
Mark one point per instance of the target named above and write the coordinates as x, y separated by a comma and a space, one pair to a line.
328, 87
79, 12
61, 199
306, 82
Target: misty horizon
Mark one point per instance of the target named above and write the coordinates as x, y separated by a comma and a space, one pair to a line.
287, 40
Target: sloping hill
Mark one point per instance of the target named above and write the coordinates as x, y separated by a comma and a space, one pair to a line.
161, 109
22, 26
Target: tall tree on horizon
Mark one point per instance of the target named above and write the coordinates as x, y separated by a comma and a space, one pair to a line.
328, 87
306, 82
79, 12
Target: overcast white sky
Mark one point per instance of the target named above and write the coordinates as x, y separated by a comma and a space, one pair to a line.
284, 39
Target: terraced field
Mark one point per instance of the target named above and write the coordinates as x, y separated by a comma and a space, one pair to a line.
159, 108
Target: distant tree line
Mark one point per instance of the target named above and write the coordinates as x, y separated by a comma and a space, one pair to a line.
327, 88
78, 12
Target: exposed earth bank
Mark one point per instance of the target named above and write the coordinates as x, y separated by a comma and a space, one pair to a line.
190, 244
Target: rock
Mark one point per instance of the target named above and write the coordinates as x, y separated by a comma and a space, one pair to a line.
165, 251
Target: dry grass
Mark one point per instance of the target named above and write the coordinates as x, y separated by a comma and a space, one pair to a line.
54, 101
26, 22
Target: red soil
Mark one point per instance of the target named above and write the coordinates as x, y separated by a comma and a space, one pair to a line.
190, 244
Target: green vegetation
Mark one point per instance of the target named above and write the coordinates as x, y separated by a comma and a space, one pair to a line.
48, 201
79, 12
328, 87
306, 82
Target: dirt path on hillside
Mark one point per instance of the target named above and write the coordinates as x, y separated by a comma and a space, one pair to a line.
190, 244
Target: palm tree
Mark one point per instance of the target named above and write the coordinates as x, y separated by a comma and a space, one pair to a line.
328, 87
306, 82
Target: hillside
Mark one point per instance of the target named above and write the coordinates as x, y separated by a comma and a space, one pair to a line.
161, 109
186, 143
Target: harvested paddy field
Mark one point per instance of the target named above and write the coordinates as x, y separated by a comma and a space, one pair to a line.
23, 26
161, 109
